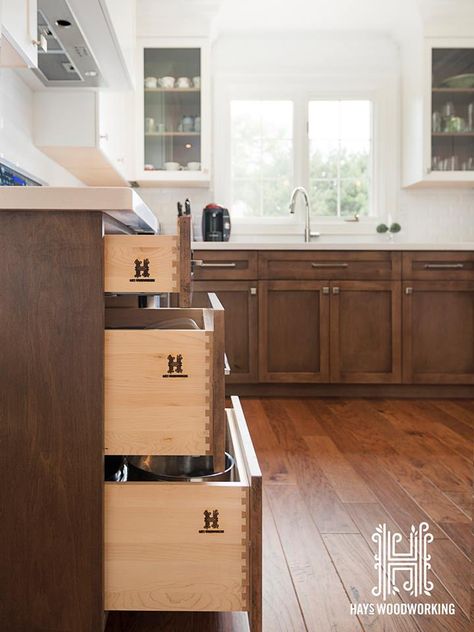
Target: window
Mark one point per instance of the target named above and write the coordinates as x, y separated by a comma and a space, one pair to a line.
262, 157
337, 169
340, 148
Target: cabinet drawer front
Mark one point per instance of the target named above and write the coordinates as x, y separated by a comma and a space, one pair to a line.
450, 266
225, 264
329, 265
159, 395
161, 555
141, 263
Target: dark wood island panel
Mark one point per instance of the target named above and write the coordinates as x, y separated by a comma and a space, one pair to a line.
51, 411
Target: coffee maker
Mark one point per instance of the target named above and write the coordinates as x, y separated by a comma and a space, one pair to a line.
215, 223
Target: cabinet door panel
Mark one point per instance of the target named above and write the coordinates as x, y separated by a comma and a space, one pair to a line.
365, 332
294, 331
438, 332
239, 299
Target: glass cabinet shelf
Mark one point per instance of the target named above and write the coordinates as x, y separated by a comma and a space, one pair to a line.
172, 90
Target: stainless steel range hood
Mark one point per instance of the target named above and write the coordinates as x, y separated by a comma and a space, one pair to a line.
80, 47
67, 59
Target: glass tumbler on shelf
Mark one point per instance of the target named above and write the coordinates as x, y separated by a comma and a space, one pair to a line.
437, 122
448, 114
470, 117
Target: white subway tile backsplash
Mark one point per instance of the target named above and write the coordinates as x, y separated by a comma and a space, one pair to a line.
425, 214
437, 214
163, 203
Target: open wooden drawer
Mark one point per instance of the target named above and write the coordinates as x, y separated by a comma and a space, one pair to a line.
164, 387
150, 264
161, 555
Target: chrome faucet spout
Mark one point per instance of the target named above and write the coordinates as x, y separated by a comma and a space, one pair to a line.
307, 229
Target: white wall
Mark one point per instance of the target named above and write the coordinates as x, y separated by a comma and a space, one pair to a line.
16, 144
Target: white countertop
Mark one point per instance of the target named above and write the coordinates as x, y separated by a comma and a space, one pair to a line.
121, 203
359, 242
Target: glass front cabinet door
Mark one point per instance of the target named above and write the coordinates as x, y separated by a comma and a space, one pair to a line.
174, 114
452, 110
439, 148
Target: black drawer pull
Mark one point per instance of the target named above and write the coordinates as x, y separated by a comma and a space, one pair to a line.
444, 266
330, 265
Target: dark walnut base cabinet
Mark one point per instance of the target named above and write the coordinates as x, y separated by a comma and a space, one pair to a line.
350, 323
52, 331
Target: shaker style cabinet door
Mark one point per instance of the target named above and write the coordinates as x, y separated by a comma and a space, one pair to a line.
365, 332
239, 299
438, 332
294, 331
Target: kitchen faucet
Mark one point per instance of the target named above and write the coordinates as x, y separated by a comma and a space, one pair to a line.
307, 228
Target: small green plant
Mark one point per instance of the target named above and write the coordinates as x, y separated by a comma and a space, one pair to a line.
394, 228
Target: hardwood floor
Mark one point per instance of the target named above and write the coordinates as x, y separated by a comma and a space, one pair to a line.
333, 470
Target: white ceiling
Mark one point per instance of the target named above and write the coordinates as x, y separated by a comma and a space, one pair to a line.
392, 17
389, 16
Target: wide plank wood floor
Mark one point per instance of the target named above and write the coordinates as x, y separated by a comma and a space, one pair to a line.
333, 470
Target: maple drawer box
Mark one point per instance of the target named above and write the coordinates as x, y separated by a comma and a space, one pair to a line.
150, 264
162, 554
164, 381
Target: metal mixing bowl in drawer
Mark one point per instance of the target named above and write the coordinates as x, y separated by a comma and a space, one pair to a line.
178, 468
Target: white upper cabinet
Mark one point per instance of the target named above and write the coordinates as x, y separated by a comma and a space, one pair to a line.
19, 34
89, 133
438, 115
122, 15
173, 113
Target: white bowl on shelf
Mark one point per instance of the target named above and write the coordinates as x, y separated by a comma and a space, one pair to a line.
151, 82
166, 82
172, 166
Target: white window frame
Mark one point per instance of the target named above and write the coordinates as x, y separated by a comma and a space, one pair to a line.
381, 90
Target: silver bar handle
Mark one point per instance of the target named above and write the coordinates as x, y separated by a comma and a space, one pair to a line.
444, 266
335, 290
330, 265
227, 370
203, 264
408, 290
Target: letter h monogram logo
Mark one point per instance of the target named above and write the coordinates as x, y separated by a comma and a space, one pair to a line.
142, 269
211, 520
414, 564
175, 366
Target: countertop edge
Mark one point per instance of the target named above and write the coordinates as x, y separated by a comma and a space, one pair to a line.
214, 246
122, 203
